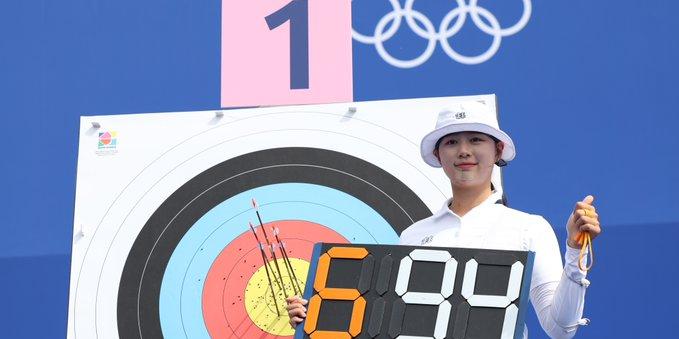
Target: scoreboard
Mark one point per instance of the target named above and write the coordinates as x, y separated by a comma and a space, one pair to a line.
407, 292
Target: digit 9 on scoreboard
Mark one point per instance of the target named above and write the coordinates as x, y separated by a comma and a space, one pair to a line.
385, 291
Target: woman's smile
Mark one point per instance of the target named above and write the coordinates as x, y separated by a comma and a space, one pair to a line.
465, 166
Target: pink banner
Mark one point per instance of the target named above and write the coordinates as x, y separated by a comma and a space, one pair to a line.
286, 52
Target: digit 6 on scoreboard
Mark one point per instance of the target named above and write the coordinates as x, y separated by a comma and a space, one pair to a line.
331, 293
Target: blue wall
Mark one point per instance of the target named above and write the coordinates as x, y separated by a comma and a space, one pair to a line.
587, 90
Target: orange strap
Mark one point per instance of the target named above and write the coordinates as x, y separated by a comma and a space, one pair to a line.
585, 240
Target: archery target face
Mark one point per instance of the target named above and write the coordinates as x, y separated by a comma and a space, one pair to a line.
162, 245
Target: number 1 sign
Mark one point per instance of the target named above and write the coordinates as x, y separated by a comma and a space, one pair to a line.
285, 52
369, 291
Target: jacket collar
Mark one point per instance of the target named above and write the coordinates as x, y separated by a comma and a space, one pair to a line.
491, 200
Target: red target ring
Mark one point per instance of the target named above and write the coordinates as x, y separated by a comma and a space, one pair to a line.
224, 295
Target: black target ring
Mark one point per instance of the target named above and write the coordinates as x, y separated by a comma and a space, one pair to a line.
139, 291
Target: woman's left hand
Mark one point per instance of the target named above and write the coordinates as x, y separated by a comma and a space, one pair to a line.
583, 219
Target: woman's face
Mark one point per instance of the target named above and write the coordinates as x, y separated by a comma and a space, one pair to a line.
467, 158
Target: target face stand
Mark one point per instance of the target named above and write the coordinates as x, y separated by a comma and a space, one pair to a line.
162, 246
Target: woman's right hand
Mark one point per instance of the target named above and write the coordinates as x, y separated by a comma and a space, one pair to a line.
296, 309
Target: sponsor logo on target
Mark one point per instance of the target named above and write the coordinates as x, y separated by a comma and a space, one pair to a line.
107, 140
107, 143
463, 12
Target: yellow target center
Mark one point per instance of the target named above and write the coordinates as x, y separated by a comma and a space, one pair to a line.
260, 293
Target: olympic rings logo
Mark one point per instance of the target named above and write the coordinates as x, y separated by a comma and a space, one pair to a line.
445, 31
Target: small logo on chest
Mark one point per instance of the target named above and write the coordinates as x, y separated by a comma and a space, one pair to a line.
426, 239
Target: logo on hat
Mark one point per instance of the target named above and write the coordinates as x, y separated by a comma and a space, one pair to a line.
460, 115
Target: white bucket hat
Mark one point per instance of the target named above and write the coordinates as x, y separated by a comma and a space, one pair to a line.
468, 116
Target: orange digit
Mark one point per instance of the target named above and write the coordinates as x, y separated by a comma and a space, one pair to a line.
330, 293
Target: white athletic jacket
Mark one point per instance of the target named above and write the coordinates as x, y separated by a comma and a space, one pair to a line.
557, 292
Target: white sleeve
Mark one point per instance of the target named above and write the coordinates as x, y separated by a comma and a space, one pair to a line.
559, 304
547, 265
